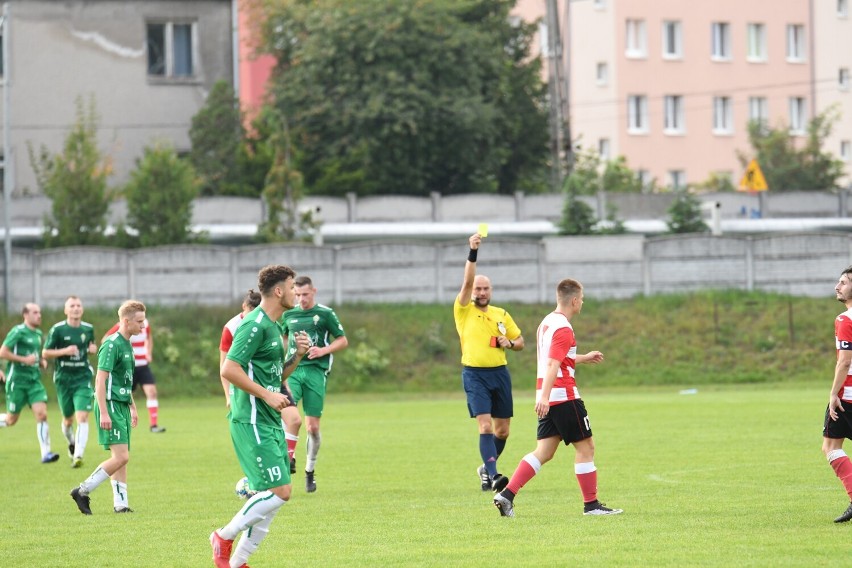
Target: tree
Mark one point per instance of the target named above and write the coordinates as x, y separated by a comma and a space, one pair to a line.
586, 178
685, 215
409, 97
159, 198
76, 182
219, 153
787, 163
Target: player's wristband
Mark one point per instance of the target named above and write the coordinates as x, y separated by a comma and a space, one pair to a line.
471, 256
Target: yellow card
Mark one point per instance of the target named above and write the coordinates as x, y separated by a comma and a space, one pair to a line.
483, 230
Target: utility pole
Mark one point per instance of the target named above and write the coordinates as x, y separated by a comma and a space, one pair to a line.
557, 82
8, 161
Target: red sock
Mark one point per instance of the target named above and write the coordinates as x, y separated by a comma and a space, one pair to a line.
843, 469
291, 447
152, 414
521, 477
588, 485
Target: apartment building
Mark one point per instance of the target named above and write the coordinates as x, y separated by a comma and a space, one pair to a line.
672, 84
148, 65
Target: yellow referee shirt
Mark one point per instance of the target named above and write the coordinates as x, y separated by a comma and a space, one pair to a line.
476, 328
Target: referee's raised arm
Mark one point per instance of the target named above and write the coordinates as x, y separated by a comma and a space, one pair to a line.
469, 270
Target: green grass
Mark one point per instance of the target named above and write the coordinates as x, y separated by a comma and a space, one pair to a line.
727, 476
703, 338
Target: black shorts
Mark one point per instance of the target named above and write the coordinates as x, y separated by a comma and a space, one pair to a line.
568, 420
142, 375
840, 428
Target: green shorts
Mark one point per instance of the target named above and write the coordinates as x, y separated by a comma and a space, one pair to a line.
307, 383
23, 393
74, 396
119, 413
262, 453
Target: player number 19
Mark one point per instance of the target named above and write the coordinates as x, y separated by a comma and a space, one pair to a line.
274, 473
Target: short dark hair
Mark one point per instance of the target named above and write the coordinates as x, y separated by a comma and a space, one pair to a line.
304, 281
252, 298
567, 288
847, 272
272, 275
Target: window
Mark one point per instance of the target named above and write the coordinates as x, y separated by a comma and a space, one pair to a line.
756, 42
602, 74
721, 49
672, 40
674, 114
796, 43
600, 4
723, 119
845, 150
842, 8
171, 50
2, 71
843, 78
603, 148
644, 177
637, 114
544, 39
637, 44
758, 109
798, 115
677, 179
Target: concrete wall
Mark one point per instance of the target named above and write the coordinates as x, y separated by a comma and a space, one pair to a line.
523, 271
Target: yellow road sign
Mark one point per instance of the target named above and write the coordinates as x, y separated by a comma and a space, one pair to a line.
753, 179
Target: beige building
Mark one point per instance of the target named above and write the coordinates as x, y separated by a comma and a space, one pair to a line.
672, 84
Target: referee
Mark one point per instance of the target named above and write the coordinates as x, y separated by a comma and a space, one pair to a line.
486, 332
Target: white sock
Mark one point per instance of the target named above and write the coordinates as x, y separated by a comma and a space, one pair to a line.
119, 494
314, 440
81, 439
3, 421
43, 433
68, 432
250, 540
254, 511
91, 483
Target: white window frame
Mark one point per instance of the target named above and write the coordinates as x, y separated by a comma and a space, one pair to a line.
758, 109
843, 78
600, 4
604, 149
637, 114
723, 116
846, 150
798, 116
636, 39
674, 122
720, 41
756, 42
644, 177
796, 43
602, 73
544, 40
842, 8
672, 39
677, 179
168, 40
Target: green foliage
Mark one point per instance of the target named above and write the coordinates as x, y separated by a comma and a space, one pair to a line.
716, 182
790, 164
685, 215
159, 198
220, 154
365, 361
283, 188
407, 97
75, 180
578, 218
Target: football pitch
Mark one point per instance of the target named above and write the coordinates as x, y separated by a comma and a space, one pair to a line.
721, 477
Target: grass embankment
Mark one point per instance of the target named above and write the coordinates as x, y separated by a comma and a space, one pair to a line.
696, 339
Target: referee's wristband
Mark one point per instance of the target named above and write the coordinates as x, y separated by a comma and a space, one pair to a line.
471, 256
511, 344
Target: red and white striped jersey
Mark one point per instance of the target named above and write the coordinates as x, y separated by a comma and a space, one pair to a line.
555, 340
843, 342
228, 332
140, 352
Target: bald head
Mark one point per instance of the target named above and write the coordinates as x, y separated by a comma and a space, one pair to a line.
481, 291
